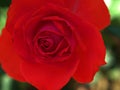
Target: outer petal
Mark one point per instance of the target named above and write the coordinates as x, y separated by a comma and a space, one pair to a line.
95, 52
19, 7
9, 59
94, 11
50, 76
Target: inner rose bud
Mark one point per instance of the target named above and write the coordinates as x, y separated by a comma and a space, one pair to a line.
45, 44
49, 42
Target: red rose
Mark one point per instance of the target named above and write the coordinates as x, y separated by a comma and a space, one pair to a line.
46, 42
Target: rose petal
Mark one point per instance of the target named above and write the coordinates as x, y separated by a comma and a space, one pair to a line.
95, 12
50, 76
9, 59
29, 4
19, 41
20, 7
95, 52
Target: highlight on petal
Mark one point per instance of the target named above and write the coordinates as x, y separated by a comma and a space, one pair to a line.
10, 61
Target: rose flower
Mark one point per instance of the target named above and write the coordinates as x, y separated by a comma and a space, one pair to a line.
47, 42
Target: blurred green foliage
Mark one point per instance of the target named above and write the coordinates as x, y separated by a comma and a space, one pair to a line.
3, 12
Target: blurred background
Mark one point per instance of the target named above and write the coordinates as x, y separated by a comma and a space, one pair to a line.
108, 78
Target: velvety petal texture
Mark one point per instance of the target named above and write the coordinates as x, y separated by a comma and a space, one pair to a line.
9, 59
94, 11
95, 53
47, 42
46, 76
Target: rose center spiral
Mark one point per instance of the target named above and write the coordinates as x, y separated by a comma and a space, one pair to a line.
44, 43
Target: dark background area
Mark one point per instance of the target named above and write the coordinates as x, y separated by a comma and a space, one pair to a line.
5, 3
